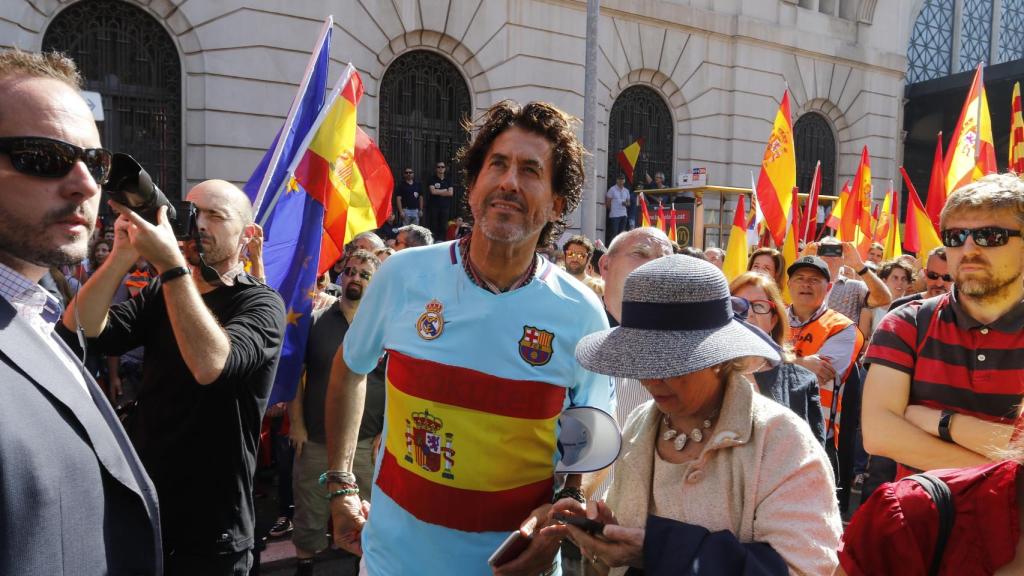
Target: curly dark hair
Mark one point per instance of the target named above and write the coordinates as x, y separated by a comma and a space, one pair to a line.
539, 118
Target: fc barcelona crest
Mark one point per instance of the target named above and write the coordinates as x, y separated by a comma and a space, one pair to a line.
431, 323
535, 346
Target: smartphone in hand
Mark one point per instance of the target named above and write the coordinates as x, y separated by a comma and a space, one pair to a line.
582, 522
510, 549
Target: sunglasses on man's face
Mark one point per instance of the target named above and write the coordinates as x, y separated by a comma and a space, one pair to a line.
49, 158
935, 276
350, 271
986, 237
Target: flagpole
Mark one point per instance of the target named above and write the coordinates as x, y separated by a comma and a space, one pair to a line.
290, 120
981, 92
308, 138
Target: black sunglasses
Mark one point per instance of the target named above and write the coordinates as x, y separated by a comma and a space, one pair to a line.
49, 158
935, 276
742, 307
350, 271
986, 237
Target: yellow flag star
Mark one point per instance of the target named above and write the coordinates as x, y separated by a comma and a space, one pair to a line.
293, 316
293, 185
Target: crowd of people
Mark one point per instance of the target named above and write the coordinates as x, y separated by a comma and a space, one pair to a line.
138, 366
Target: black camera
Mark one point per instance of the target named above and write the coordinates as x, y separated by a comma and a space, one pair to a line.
184, 222
130, 185
830, 250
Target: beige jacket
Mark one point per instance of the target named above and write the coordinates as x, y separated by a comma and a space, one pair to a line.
761, 475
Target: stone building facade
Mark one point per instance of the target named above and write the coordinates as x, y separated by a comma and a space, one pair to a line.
716, 69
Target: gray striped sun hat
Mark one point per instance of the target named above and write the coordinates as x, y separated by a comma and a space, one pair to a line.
677, 319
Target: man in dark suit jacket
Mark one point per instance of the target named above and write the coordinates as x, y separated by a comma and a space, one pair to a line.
74, 498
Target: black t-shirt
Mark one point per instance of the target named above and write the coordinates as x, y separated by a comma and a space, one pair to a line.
325, 337
440, 203
410, 194
198, 443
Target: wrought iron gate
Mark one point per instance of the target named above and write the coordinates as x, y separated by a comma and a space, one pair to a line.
640, 112
128, 57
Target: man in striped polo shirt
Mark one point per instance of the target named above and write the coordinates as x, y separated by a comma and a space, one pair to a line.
947, 377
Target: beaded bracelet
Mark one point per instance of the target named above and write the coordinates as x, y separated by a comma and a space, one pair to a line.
341, 492
569, 492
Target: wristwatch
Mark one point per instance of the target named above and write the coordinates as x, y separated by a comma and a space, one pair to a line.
172, 273
944, 421
863, 270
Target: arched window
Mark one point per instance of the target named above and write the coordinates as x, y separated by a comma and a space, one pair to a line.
1011, 35
975, 34
423, 100
814, 142
639, 112
128, 57
931, 43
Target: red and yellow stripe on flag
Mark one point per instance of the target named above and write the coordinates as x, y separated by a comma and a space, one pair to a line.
736, 252
662, 222
893, 245
460, 451
971, 153
645, 216
835, 217
672, 225
936, 185
921, 236
778, 174
628, 156
884, 217
790, 247
346, 171
1016, 132
853, 210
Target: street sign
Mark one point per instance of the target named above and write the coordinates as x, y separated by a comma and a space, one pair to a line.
95, 102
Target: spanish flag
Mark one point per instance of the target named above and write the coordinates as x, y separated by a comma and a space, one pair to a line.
346, 171
672, 225
809, 217
662, 222
778, 174
893, 245
884, 217
472, 457
971, 153
1016, 133
736, 256
835, 217
645, 216
628, 156
921, 236
936, 186
853, 210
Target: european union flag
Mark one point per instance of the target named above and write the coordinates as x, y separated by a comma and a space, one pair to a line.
292, 220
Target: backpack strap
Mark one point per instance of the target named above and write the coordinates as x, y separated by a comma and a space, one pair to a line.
939, 492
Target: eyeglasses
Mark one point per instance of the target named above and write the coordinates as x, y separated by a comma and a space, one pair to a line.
935, 275
581, 255
350, 271
743, 307
49, 158
986, 237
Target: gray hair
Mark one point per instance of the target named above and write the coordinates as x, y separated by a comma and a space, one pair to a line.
416, 235
371, 236
656, 234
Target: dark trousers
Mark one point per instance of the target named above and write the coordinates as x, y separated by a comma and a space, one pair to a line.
284, 456
437, 221
180, 563
616, 225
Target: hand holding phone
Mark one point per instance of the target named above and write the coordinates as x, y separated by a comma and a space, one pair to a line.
830, 250
510, 549
582, 522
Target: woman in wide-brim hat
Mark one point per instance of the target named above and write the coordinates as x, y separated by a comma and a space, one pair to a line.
707, 454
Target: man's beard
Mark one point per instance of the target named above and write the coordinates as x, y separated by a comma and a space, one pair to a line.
353, 292
213, 255
574, 268
32, 242
987, 287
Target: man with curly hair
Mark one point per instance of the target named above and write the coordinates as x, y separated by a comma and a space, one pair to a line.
480, 335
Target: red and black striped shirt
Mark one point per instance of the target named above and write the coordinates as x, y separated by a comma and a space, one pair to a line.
961, 365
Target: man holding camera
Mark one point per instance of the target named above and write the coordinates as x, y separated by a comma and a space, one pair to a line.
74, 498
212, 335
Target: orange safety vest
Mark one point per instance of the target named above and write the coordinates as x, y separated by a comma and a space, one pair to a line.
807, 340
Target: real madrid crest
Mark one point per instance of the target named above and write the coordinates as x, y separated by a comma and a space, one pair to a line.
431, 323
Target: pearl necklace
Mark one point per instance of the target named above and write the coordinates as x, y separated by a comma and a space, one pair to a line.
678, 438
